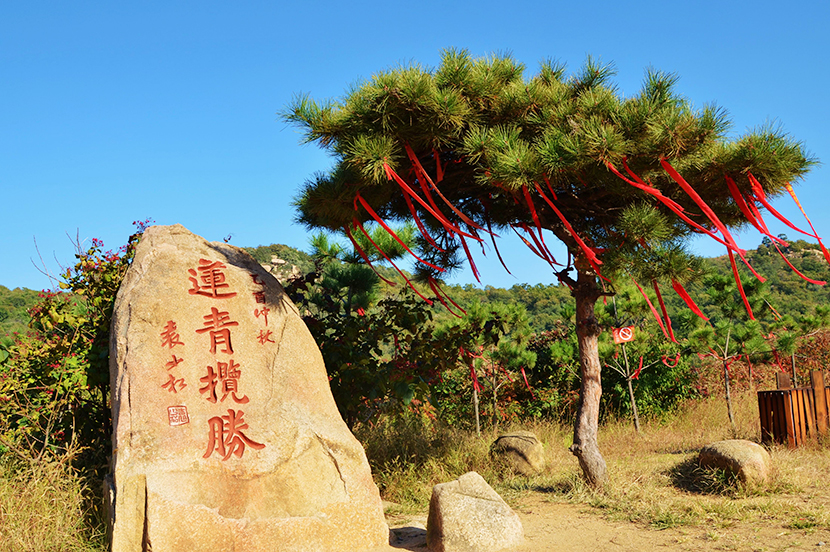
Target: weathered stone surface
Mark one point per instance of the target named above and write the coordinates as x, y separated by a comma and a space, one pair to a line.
748, 460
226, 436
467, 515
522, 450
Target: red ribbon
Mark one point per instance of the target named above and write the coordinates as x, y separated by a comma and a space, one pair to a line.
496, 247
666, 362
540, 249
653, 310
536, 220
385, 256
663, 308
710, 214
421, 227
742, 204
550, 188
687, 299
527, 243
437, 290
422, 175
465, 353
758, 190
761, 196
794, 269
758, 224
728, 363
363, 254
636, 374
792, 194
434, 211
589, 253
778, 360
672, 205
527, 384
379, 220
469, 258
439, 171
738, 282
476, 385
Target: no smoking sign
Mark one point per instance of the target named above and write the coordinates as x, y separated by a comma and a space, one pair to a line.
623, 335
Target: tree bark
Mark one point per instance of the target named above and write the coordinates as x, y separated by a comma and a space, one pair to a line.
728, 394
633, 407
586, 426
475, 406
631, 391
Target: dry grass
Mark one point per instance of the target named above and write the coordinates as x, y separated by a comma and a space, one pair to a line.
653, 479
653, 476
45, 507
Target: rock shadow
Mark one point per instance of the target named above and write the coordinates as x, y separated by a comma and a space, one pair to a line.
691, 477
408, 538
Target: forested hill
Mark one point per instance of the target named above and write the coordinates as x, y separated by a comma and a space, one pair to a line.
788, 293
14, 304
545, 304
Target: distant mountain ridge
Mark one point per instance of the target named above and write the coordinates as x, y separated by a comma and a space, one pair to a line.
789, 293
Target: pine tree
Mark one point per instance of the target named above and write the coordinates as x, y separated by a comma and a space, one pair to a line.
473, 148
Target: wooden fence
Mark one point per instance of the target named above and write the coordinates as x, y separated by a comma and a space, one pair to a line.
791, 416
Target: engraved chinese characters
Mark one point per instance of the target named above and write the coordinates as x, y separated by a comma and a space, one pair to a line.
226, 435
220, 381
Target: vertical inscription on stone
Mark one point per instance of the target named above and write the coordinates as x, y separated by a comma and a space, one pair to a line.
170, 338
221, 381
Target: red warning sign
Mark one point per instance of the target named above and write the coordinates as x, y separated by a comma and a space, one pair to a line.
623, 335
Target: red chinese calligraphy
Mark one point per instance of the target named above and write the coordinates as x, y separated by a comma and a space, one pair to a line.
225, 436
217, 323
259, 296
175, 361
174, 385
255, 278
228, 376
262, 312
177, 415
170, 336
209, 280
265, 335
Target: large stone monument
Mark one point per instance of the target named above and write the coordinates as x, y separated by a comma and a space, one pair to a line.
226, 436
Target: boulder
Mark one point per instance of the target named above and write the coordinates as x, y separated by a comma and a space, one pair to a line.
467, 515
522, 451
226, 435
748, 460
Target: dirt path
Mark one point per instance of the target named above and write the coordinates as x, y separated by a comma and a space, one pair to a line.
553, 526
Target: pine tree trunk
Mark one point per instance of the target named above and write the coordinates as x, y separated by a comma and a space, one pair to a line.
633, 406
475, 406
631, 391
495, 405
728, 394
586, 426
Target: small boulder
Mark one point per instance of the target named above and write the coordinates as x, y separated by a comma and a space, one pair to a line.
748, 460
522, 450
467, 515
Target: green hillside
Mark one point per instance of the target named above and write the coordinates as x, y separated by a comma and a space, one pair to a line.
14, 304
789, 294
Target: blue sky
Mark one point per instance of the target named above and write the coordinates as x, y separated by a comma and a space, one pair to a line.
112, 111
